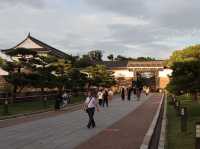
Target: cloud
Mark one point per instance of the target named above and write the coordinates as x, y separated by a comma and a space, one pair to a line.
170, 13
167, 25
32, 3
124, 7
127, 27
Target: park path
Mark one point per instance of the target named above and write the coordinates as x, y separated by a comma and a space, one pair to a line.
129, 132
67, 130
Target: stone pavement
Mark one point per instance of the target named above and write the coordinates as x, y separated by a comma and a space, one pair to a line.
37, 115
68, 130
129, 132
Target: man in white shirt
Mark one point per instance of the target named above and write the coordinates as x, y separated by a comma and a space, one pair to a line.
91, 104
100, 97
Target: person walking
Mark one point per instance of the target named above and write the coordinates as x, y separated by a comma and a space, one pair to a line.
100, 97
64, 99
123, 93
129, 90
110, 95
147, 90
105, 97
58, 101
139, 88
90, 105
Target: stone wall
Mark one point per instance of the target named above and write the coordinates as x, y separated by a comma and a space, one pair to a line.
163, 81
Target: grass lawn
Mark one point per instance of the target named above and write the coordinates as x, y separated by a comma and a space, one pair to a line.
33, 106
175, 138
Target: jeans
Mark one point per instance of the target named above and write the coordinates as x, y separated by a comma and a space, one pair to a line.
105, 101
91, 122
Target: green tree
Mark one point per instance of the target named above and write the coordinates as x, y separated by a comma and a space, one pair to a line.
185, 78
185, 65
1, 61
83, 62
111, 57
19, 69
100, 76
95, 55
61, 70
145, 58
121, 58
76, 80
42, 69
187, 54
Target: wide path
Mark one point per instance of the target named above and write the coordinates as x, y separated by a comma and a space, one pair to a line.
129, 132
68, 130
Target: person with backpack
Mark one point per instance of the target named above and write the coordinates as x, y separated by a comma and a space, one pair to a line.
90, 105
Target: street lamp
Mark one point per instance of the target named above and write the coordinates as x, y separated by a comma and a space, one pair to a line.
183, 114
197, 136
6, 106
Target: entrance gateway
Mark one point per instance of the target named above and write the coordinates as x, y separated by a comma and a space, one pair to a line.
154, 73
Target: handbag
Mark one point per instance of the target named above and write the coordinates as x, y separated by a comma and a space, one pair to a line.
87, 109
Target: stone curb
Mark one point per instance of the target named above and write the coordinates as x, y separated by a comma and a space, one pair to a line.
162, 140
70, 107
150, 131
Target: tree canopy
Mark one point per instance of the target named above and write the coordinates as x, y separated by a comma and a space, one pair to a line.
1, 61
186, 71
123, 58
100, 76
188, 54
95, 55
110, 57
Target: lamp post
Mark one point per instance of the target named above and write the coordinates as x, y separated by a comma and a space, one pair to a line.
183, 114
177, 105
197, 136
6, 106
45, 101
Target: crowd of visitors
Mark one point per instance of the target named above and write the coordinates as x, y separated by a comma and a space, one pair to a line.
135, 90
101, 97
62, 100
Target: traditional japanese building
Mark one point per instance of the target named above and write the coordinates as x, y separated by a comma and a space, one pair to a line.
3, 82
36, 45
154, 72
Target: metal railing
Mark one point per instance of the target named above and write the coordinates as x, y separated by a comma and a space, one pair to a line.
28, 98
152, 137
154, 142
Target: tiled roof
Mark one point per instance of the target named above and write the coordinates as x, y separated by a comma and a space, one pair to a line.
123, 64
45, 47
3, 72
48, 47
145, 64
115, 64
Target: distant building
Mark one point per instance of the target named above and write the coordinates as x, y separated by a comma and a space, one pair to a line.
36, 45
3, 82
154, 71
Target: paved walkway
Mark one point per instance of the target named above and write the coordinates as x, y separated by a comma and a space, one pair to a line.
129, 132
68, 130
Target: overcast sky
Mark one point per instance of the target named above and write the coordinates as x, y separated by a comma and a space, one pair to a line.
126, 27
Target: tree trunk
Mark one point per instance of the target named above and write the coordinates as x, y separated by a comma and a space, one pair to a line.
42, 91
195, 96
13, 98
60, 89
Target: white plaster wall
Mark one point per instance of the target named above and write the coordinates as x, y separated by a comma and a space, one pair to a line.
29, 44
123, 73
3, 72
165, 73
